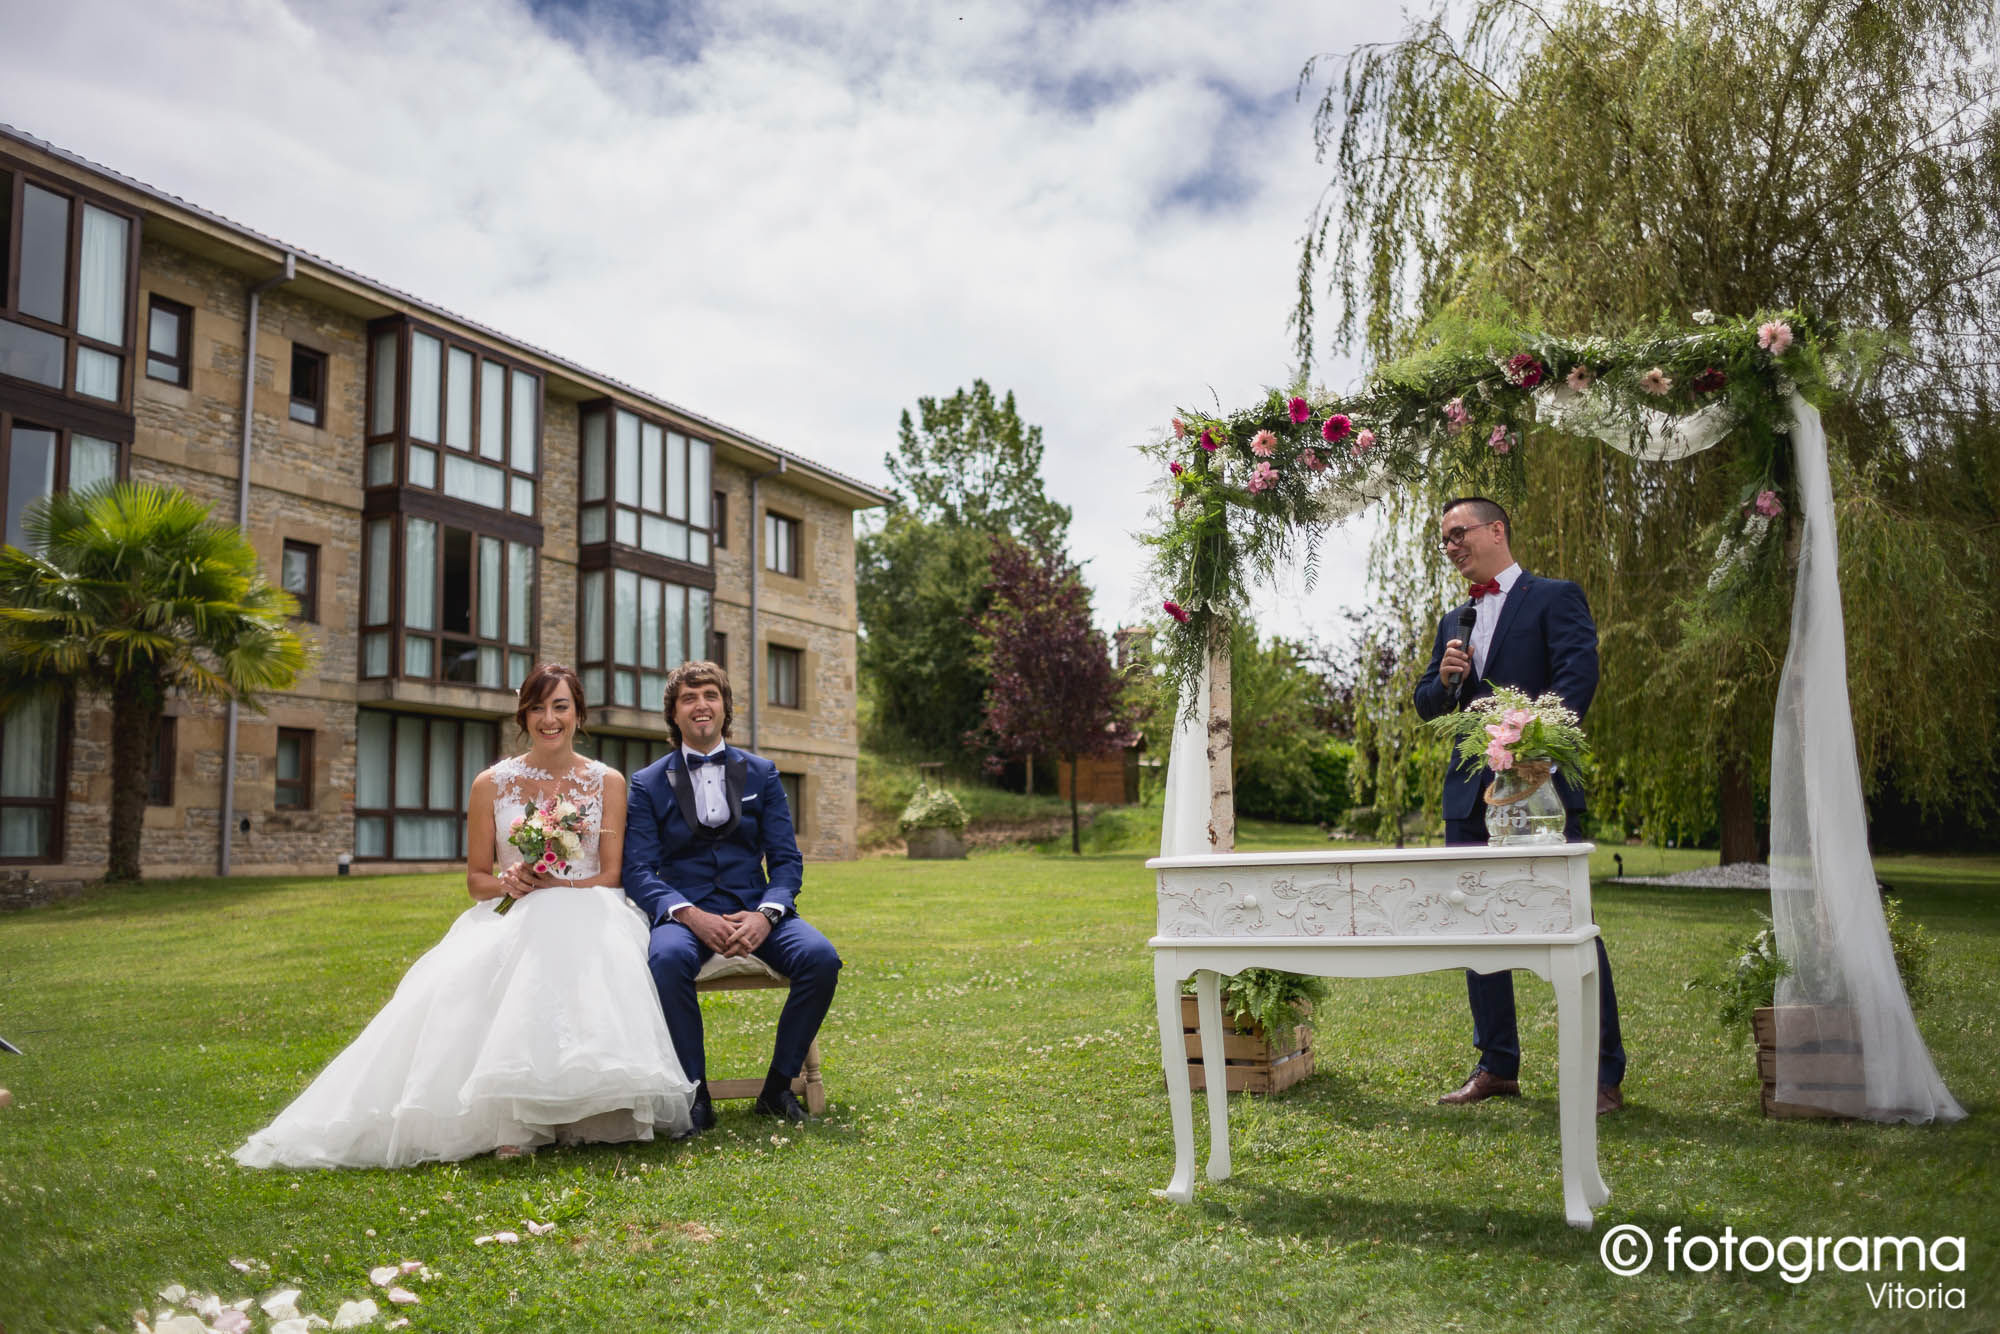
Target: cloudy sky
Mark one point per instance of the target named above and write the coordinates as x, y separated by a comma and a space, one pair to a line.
793, 217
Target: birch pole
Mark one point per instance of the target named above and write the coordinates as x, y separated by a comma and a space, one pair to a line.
1221, 746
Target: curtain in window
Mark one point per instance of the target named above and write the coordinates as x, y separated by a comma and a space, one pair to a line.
91, 461
28, 752
100, 303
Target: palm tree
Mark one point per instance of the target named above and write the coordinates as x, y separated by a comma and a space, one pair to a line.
134, 591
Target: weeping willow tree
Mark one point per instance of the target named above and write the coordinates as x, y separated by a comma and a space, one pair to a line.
1592, 166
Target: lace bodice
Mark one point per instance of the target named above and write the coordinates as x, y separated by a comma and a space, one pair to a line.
517, 784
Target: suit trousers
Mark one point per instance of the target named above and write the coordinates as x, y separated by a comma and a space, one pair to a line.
1494, 1030
795, 948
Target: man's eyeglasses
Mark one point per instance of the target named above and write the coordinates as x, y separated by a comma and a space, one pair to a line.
1457, 535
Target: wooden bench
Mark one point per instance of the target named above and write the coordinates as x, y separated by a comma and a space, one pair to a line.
750, 973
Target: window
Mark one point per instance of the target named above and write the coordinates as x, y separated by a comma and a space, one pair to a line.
448, 417
299, 574
308, 386
719, 649
783, 668
632, 630
169, 333
795, 791
31, 754
468, 599
627, 754
781, 544
36, 460
412, 779
160, 782
65, 321
720, 501
644, 485
295, 769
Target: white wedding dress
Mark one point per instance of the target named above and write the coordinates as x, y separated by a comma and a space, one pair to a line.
524, 1028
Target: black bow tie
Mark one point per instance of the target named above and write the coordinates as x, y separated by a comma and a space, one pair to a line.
696, 761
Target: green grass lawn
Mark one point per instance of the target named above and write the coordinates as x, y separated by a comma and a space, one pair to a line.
998, 1125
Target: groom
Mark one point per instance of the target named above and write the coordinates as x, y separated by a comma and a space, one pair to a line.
711, 860
1535, 635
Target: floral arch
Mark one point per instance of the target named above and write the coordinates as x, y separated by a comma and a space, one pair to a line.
1253, 488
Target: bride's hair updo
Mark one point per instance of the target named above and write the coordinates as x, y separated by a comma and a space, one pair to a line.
542, 683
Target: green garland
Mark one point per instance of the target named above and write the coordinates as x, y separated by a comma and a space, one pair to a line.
1252, 490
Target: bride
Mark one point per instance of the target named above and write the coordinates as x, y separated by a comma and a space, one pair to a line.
527, 1024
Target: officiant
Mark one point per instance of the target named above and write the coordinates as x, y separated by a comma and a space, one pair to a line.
1536, 635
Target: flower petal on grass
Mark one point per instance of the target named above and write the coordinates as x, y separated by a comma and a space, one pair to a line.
540, 1229
290, 1325
352, 1315
241, 1266
409, 1266
400, 1322
231, 1321
180, 1324
173, 1293
282, 1304
403, 1297
383, 1275
507, 1238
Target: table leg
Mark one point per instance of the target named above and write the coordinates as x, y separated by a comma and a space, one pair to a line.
1173, 1056
1576, 1093
1595, 1192
1215, 1070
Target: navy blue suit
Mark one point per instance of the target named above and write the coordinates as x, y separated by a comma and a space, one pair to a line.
751, 859
1545, 640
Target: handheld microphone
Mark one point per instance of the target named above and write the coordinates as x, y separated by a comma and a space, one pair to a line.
1465, 621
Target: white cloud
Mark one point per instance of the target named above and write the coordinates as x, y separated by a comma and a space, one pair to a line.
794, 218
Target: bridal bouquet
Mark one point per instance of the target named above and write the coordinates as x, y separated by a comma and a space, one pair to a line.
1507, 730
549, 836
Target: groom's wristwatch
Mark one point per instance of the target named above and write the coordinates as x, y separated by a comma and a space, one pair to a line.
772, 915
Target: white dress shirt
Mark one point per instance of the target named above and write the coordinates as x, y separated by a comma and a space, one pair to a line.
711, 801
1489, 618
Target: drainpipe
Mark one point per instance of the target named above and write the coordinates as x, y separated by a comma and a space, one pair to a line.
756, 572
257, 291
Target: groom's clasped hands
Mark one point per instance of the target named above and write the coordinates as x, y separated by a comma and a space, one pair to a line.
731, 935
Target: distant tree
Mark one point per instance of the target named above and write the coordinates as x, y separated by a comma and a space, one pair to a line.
134, 592
966, 471
1279, 706
1051, 688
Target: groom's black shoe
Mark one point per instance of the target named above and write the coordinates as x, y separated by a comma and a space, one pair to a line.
701, 1113
781, 1103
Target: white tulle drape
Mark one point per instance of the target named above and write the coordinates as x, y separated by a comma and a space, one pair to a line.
1824, 900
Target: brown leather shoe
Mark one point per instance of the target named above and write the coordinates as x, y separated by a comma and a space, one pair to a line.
1609, 1099
1479, 1088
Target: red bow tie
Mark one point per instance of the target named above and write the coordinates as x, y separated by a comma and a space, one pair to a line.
1490, 586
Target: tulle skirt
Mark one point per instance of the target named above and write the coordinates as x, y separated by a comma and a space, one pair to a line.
537, 1026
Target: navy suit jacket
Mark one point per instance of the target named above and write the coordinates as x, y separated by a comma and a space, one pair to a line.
752, 859
1545, 641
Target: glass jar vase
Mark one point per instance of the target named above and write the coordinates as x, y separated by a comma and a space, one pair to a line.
1523, 807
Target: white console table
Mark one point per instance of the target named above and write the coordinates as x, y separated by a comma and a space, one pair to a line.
1380, 913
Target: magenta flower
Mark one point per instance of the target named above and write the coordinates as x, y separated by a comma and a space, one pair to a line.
1768, 505
1336, 428
1313, 462
1263, 444
1299, 410
1498, 442
1498, 758
1524, 370
1175, 469
1708, 381
1263, 478
1774, 337
1208, 440
1656, 381
1175, 610
1581, 377
1180, 429
1455, 415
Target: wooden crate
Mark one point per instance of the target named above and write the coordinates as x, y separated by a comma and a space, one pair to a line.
1822, 1053
1252, 1063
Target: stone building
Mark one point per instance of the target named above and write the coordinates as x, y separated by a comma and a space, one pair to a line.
449, 504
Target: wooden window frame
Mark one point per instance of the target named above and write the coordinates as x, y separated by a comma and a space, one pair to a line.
160, 782
65, 444
57, 805
720, 502
303, 784
600, 672
798, 806
18, 176
183, 358
317, 401
795, 546
457, 799
517, 659
610, 507
309, 599
772, 654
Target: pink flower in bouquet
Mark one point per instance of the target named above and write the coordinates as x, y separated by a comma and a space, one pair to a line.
1656, 381
1498, 758
1263, 444
1175, 469
1498, 442
1517, 719
1313, 462
518, 822
1362, 443
1263, 478
1208, 440
1581, 377
1175, 610
1180, 429
1505, 733
1336, 428
1524, 370
1299, 410
1774, 337
1768, 505
1455, 415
